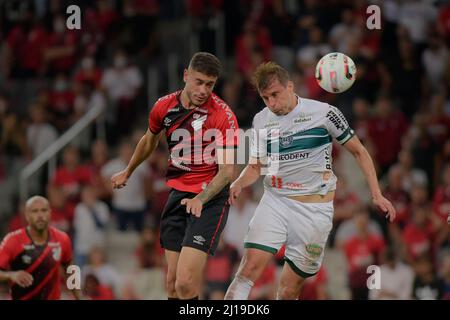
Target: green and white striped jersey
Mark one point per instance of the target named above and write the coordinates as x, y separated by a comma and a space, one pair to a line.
297, 147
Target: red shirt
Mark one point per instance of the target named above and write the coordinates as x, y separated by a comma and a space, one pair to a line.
309, 290
192, 150
72, 180
363, 252
18, 252
28, 48
386, 136
418, 241
441, 203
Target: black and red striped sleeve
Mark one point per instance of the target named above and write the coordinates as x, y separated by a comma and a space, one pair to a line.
6, 252
156, 117
228, 127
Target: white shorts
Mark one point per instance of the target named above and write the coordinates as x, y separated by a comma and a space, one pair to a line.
303, 227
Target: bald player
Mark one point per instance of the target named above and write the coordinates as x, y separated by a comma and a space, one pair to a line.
31, 258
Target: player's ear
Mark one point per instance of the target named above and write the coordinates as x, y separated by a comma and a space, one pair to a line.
185, 75
290, 85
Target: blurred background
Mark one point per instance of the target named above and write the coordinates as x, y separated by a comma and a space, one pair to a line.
74, 103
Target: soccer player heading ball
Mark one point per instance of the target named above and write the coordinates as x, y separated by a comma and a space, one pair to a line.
197, 208
294, 135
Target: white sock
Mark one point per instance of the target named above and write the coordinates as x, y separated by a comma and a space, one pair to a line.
239, 289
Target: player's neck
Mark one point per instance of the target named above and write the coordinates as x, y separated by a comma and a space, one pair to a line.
38, 237
294, 103
185, 101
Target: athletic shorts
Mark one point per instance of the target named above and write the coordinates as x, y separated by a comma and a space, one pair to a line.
303, 227
180, 229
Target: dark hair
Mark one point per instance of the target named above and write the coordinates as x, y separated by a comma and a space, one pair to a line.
206, 63
266, 72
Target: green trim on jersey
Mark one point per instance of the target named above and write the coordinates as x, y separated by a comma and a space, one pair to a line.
260, 247
297, 270
344, 137
300, 144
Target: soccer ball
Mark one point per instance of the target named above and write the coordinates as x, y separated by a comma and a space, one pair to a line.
335, 72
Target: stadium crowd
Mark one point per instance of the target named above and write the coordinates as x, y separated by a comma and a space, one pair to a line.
399, 106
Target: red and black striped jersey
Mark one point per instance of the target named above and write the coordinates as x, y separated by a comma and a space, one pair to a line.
19, 252
193, 135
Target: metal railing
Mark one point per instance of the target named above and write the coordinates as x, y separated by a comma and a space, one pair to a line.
49, 154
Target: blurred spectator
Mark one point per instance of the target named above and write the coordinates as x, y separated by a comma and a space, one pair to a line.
435, 60
71, 175
410, 176
419, 235
18, 221
238, 220
98, 158
130, 203
13, 139
106, 274
159, 190
96, 291
385, 131
341, 33
441, 198
90, 222
362, 250
149, 252
315, 287
60, 51
62, 210
26, 43
316, 48
61, 98
427, 286
220, 270
88, 72
445, 274
40, 134
396, 279
121, 83
438, 122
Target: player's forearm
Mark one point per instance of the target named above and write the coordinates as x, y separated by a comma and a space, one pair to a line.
366, 164
5, 276
248, 176
221, 179
143, 150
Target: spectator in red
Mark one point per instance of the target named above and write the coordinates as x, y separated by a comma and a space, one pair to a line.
62, 210
96, 291
252, 38
25, 48
398, 196
315, 288
410, 175
362, 250
88, 72
441, 199
220, 269
61, 102
99, 157
159, 192
438, 122
60, 52
419, 235
71, 175
385, 131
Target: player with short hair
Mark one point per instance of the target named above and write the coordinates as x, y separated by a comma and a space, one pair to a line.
293, 135
197, 209
31, 257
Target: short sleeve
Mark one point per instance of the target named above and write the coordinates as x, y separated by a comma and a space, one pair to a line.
67, 249
155, 119
229, 129
258, 148
5, 253
338, 126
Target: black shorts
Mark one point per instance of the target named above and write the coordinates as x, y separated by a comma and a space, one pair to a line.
180, 229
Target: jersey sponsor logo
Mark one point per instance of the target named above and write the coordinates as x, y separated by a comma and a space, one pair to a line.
289, 156
176, 109
327, 160
56, 253
287, 141
29, 247
179, 164
337, 119
198, 123
302, 119
227, 110
199, 240
26, 259
314, 250
272, 124
293, 185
